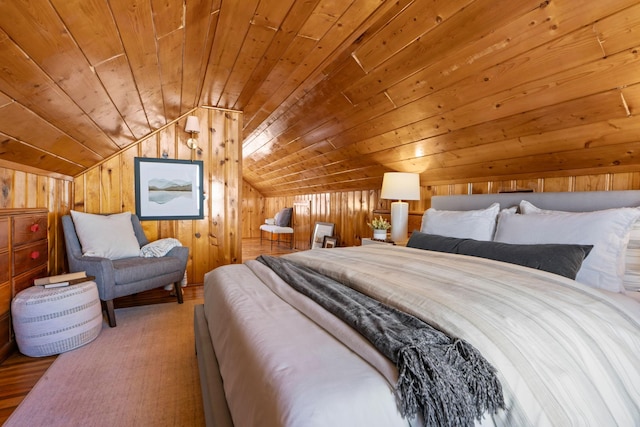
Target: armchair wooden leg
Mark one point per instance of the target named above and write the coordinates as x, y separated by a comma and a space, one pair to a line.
111, 314
178, 288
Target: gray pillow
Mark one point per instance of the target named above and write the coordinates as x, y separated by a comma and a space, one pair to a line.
562, 259
283, 219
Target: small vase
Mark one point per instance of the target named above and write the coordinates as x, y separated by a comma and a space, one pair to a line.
380, 234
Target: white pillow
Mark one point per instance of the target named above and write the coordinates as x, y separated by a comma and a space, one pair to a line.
632, 260
607, 230
477, 224
106, 236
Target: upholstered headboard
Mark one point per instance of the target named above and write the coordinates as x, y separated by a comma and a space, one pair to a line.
583, 201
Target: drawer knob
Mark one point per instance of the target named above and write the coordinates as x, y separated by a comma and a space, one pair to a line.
35, 255
34, 228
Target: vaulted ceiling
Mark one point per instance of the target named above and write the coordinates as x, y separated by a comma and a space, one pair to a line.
334, 92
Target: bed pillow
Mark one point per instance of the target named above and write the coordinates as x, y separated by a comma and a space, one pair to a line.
607, 230
476, 224
561, 259
106, 236
631, 278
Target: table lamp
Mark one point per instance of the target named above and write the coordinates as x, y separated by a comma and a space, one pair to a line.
400, 186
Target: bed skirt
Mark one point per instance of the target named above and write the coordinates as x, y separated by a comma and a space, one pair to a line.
216, 411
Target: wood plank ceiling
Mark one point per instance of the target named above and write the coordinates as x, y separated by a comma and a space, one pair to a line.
334, 92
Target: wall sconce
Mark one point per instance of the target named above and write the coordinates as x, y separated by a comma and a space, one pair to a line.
193, 127
400, 186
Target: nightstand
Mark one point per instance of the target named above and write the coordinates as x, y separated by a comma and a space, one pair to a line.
369, 241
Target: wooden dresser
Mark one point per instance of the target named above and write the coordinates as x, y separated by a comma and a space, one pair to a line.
24, 255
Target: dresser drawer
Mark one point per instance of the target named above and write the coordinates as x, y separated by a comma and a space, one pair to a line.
4, 234
6, 342
25, 280
4, 267
29, 228
5, 298
30, 256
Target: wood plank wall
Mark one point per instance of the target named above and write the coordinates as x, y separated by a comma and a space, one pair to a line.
24, 187
351, 210
214, 240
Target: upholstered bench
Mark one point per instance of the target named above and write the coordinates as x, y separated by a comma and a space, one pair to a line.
279, 224
55, 320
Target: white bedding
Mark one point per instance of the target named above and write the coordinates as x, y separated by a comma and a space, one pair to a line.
565, 354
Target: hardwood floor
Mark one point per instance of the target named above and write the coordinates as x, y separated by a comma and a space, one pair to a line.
19, 373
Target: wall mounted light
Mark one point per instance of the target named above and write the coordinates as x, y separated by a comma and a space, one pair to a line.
400, 186
193, 127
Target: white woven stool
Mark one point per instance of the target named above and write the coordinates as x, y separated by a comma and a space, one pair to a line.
55, 320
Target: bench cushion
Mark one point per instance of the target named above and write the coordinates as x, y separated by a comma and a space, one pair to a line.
274, 229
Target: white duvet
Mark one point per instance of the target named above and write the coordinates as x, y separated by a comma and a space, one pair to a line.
565, 354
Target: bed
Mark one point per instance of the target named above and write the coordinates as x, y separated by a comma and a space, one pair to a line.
563, 337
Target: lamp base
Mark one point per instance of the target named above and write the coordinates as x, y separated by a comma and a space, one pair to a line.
399, 221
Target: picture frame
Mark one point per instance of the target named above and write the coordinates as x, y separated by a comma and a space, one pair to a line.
168, 189
329, 242
320, 230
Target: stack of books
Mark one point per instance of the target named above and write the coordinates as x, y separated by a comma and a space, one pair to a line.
63, 280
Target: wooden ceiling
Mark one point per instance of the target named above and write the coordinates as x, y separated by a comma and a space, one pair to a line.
334, 92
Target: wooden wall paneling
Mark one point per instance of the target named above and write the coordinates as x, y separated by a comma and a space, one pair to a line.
20, 189
43, 36
289, 28
216, 188
135, 21
302, 224
79, 193
253, 211
6, 187
111, 185
196, 232
461, 29
265, 24
212, 241
170, 48
200, 26
233, 189
32, 191
231, 29
559, 184
599, 182
127, 173
148, 147
93, 195
170, 138
345, 31
410, 24
116, 76
625, 181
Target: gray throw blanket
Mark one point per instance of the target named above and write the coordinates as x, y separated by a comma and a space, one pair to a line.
444, 379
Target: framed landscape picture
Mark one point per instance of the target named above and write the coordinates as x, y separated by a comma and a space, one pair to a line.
168, 189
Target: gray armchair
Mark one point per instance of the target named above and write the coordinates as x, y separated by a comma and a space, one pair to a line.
121, 277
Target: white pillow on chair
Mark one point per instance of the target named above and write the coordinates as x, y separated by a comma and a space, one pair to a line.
106, 236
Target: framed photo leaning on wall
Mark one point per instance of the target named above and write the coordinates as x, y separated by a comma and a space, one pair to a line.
330, 242
320, 230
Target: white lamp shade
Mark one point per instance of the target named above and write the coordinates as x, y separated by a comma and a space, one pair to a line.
193, 125
401, 186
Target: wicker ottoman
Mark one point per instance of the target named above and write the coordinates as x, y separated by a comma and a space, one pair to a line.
52, 321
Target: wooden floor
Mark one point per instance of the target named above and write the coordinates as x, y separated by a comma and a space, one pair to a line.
19, 373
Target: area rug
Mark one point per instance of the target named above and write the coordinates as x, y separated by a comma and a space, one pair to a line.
144, 372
